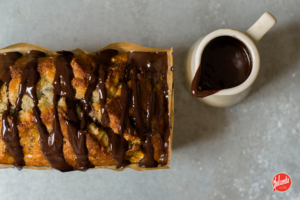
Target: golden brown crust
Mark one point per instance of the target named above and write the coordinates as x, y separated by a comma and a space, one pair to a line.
98, 154
157, 143
67, 148
119, 59
135, 154
82, 65
5, 157
114, 113
30, 140
114, 80
16, 79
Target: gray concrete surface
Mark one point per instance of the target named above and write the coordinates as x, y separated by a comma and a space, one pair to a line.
230, 153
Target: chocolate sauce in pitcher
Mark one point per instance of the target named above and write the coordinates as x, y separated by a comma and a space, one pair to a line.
225, 63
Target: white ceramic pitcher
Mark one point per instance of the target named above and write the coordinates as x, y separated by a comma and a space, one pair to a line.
250, 38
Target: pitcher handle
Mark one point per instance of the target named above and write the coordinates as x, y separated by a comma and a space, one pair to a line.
261, 27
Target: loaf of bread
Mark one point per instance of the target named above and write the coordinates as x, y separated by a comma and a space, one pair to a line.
74, 110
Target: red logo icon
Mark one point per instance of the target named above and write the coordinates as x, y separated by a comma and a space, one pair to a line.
281, 182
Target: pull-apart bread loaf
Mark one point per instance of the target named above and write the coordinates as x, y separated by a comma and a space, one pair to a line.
74, 110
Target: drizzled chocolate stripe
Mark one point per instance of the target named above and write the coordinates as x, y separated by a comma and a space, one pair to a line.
124, 105
165, 107
51, 144
103, 59
143, 131
117, 143
137, 118
85, 118
153, 65
7, 60
9, 131
102, 93
92, 83
119, 147
76, 136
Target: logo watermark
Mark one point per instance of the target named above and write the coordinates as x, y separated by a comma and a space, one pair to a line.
281, 182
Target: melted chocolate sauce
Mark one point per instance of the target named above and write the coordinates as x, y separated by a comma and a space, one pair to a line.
85, 118
148, 159
102, 92
225, 63
9, 131
143, 131
76, 136
151, 65
51, 144
103, 59
137, 118
92, 83
7, 60
118, 144
119, 147
124, 105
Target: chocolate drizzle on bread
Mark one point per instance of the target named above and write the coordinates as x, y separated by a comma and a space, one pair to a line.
153, 68
9, 131
51, 144
132, 108
118, 144
63, 88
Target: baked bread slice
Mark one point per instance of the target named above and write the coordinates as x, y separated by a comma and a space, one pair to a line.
74, 110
